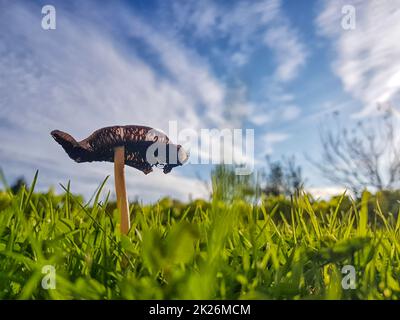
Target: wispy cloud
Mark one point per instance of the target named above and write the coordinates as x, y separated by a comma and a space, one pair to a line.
190, 73
278, 105
289, 51
366, 58
106, 65
272, 138
247, 26
77, 78
326, 192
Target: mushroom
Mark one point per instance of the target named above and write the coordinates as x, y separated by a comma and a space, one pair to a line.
139, 147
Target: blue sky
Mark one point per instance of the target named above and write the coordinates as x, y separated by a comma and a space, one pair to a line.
278, 67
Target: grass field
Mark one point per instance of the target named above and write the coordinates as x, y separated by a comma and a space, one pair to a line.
207, 250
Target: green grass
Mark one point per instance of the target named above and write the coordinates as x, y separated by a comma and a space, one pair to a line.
208, 250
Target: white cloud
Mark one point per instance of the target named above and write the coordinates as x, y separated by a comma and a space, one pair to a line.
278, 106
239, 58
289, 51
272, 138
260, 119
366, 58
247, 25
89, 73
290, 112
324, 192
191, 73
200, 15
79, 78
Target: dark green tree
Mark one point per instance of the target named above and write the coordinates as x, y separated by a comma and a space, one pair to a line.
18, 185
283, 177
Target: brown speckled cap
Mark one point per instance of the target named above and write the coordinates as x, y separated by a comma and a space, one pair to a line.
99, 146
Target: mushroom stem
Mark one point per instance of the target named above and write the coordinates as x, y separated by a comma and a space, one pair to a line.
119, 175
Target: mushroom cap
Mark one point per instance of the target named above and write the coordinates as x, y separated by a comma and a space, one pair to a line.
100, 145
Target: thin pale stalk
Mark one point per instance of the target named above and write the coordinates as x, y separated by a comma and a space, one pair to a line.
122, 201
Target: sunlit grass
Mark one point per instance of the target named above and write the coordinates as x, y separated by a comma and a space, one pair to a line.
218, 250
